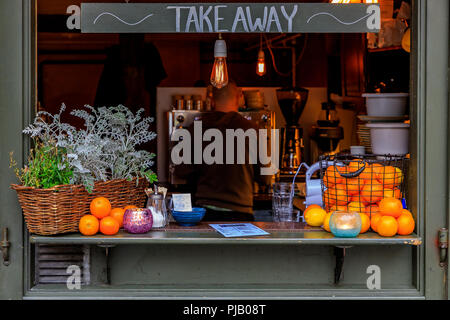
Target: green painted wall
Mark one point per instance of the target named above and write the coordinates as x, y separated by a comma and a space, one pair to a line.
307, 271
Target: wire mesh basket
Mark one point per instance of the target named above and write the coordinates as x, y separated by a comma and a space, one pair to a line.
359, 182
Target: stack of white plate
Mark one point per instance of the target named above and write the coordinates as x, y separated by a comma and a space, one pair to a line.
363, 133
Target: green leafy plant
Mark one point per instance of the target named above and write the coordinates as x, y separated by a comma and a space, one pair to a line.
106, 148
47, 167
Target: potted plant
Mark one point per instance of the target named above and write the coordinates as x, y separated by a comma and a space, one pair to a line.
68, 167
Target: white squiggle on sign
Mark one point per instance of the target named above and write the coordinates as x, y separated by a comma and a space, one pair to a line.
340, 21
130, 24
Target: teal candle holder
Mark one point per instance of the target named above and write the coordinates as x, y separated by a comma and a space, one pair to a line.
345, 224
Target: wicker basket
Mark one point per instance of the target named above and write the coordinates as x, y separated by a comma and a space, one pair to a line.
59, 209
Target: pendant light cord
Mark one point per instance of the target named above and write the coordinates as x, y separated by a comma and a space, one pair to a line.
284, 74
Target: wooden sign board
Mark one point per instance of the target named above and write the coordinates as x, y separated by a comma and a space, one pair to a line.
228, 17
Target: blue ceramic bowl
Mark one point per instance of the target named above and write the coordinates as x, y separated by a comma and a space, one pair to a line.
189, 218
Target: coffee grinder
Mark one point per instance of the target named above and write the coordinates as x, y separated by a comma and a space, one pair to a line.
292, 102
327, 134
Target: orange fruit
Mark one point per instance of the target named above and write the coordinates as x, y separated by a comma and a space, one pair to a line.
332, 176
315, 217
387, 226
326, 222
328, 199
356, 206
404, 211
390, 177
377, 167
338, 208
354, 166
374, 221
312, 206
369, 172
365, 222
392, 193
372, 192
130, 206
117, 213
100, 207
109, 226
352, 186
372, 209
327, 182
88, 225
391, 207
358, 198
406, 224
336, 196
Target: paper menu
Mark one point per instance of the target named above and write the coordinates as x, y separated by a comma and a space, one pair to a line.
182, 202
238, 229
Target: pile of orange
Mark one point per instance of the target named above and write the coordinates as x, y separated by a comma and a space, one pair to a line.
375, 194
392, 219
388, 220
103, 218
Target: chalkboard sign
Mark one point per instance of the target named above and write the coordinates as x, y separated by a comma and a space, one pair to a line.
228, 17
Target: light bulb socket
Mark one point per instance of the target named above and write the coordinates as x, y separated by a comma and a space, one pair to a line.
261, 55
220, 49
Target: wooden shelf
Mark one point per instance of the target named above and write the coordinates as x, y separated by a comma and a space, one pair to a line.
291, 233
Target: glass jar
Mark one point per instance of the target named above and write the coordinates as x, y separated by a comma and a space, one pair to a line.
345, 224
157, 205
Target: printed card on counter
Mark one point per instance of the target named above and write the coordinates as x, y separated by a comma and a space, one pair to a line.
238, 229
182, 202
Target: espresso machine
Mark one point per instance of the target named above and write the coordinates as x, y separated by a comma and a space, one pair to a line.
327, 133
264, 119
292, 102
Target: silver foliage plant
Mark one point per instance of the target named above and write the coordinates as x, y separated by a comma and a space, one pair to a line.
105, 149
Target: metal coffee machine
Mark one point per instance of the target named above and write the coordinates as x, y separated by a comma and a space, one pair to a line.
265, 119
292, 102
327, 133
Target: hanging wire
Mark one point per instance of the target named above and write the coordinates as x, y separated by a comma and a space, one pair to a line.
260, 41
285, 74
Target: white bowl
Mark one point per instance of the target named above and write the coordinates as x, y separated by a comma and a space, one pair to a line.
386, 104
389, 138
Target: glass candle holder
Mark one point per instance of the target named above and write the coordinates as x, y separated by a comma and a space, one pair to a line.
138, 220
345, 224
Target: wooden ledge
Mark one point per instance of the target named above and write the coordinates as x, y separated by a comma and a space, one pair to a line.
293, 233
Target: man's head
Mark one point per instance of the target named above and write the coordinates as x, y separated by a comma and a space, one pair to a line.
227, 98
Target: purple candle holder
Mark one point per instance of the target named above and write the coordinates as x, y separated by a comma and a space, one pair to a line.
139, 220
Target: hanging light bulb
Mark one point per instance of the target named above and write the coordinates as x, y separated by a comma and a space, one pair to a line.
219, 73
261, 64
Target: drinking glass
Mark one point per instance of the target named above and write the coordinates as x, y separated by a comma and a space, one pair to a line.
282, 197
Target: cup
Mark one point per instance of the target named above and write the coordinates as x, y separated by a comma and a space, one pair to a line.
282, 197
357, 150
288, 216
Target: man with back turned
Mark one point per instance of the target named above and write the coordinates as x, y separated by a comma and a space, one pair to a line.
225, 190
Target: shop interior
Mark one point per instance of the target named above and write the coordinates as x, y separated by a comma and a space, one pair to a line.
155, 71
167, 74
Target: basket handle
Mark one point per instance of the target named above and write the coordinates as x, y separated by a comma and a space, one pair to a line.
353, 174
